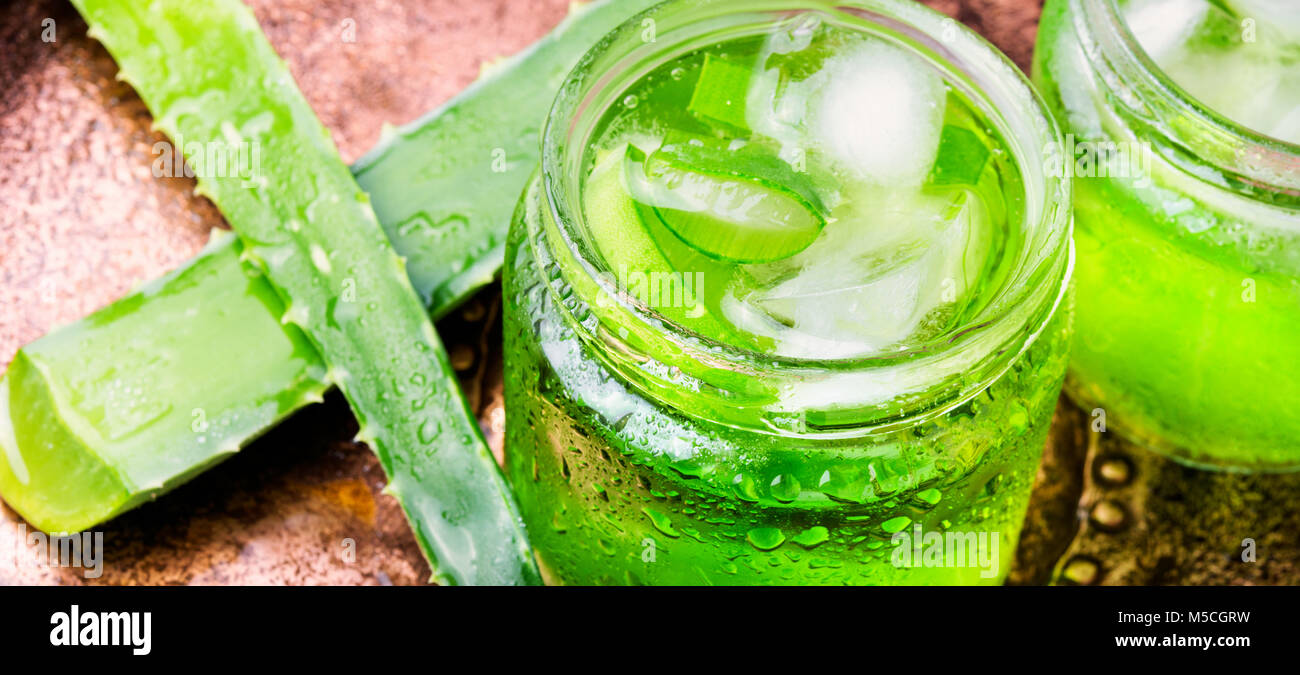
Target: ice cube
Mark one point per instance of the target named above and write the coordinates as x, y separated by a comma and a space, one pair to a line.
1288, 127
824, 303
789, 71
1284, 15
796, 36
1162, 26
797, 344
777, 103
1252, 88
880, 113
876, 279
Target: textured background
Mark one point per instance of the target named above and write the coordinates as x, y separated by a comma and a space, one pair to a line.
82, 220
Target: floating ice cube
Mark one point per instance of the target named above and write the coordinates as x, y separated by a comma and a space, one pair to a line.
796, 36
1288, 127
789, 341
1284, 15
1273, 107
880, 113
1251, 85
1162, 26
875, 280
795, 52
776, 104
794, 343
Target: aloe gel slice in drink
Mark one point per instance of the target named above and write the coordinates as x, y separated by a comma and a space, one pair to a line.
624, 232
723, 213
720, 92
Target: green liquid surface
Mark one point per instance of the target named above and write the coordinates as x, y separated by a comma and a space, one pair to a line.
819, 193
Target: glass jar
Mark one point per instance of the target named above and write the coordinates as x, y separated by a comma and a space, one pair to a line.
645, 453
1188, 231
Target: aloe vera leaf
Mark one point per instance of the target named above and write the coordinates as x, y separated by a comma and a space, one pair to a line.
719, 95
308, 225
121, 406
61, 413
445, 186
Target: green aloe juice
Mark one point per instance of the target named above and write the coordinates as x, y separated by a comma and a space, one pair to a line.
786, 304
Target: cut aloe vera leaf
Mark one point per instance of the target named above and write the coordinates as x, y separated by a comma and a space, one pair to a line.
62, 480
613, 222
962, 158
723, 213
110, 411
307, 224
720, 92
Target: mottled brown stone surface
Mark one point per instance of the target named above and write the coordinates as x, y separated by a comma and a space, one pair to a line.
82, 220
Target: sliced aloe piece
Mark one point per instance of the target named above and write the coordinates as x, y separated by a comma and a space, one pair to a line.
633, 248
726, 213
630, 250
961, 159
719, 96
614, 224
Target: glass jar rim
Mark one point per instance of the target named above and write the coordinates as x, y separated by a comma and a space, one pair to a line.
1267, 163
997, 85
